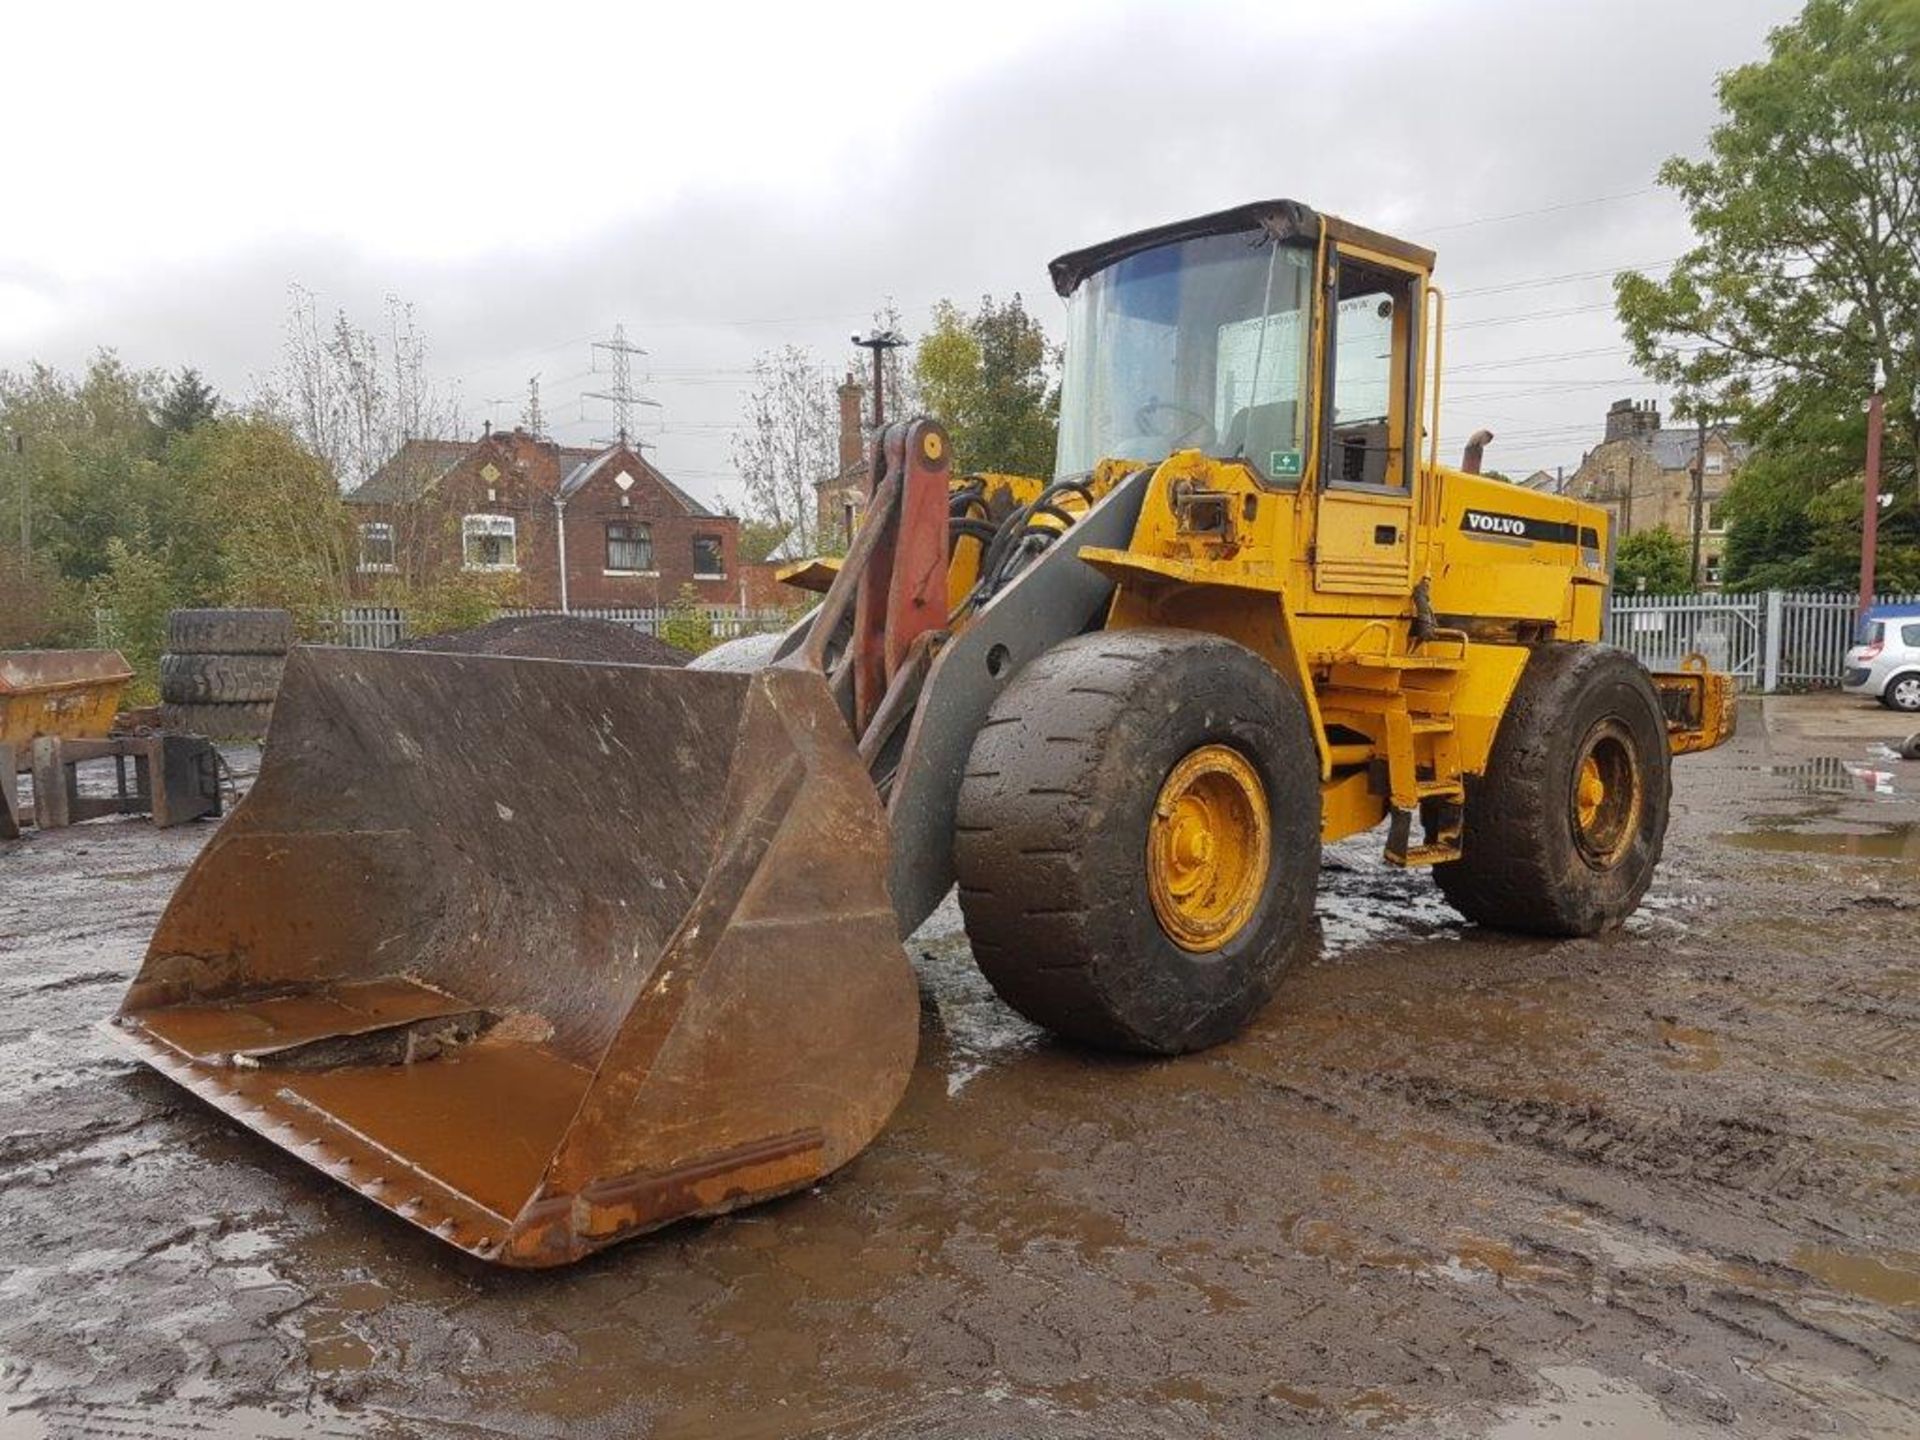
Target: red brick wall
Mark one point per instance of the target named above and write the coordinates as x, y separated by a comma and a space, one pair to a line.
595, 505
528, 476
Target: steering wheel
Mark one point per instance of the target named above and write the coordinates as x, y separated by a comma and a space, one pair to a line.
1198, 422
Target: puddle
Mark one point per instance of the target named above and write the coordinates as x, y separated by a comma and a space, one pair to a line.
1878, 776
1580, 1401
1869, 1277
1898, 841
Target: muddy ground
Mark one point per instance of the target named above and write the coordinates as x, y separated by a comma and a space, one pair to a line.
1661, 1184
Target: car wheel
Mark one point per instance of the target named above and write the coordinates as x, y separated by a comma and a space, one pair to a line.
1903, 692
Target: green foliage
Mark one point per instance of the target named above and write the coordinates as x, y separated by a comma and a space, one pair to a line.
280, 536
760, 538
136, 489
131, 596
685, 626
1653, 562
989, 377
188, 403
1804, 278
457, 600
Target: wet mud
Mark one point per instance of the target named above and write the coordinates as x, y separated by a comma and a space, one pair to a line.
1661, 1184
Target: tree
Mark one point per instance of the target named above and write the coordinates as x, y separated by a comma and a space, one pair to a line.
759, 539
990, 378
351, 397
790, 445
284, 538
1805, 274
189, 402
1654, 562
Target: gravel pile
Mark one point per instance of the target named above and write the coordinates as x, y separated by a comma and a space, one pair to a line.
556, 637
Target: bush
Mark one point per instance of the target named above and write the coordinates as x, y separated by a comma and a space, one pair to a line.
686, 626
131, 600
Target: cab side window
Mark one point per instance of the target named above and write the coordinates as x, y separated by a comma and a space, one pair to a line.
1370, 382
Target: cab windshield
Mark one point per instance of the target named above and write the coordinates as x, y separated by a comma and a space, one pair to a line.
1196, 346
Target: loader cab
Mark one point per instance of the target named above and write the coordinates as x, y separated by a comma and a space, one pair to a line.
1273, 336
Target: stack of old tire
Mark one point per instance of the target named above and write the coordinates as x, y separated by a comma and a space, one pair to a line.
222, 669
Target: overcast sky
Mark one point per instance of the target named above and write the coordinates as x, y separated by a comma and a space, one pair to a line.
725, 179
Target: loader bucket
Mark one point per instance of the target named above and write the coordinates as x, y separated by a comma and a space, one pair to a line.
537, 954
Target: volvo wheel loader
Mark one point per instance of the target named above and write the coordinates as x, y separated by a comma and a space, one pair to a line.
540, 955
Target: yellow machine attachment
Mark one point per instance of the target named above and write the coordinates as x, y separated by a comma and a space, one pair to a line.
540, 954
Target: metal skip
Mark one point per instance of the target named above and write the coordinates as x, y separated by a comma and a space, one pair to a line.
537, 954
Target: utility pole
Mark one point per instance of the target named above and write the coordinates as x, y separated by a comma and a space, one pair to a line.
1876, 408
620, 392
1699, 489
878, 342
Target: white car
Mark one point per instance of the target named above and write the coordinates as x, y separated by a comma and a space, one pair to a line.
1886, 662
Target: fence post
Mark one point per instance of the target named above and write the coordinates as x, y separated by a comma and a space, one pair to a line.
1772, 636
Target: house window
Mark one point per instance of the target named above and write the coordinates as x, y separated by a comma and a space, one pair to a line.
1713, 569
487, 542
1716, 463
629, 548
376, 545
707, 562
1716, 516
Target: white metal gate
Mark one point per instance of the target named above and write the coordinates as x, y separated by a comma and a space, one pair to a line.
1664, 629
1775, 640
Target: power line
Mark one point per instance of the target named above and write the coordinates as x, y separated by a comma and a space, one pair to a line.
1543, 210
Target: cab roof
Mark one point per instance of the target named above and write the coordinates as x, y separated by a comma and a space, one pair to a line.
1285, 220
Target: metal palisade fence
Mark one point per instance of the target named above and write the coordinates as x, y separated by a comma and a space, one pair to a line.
1769, 640
379, 627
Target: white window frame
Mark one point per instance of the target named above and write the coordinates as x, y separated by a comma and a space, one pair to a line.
483, 526
1708, 524
1716, 463
606, 543
377, 567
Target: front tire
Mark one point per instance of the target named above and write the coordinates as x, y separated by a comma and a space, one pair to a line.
1562, 833
1903, 693
1137, 839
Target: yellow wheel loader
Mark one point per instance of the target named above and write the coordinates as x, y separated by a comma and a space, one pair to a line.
540, 955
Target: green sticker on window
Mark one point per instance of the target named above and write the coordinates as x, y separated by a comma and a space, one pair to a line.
1284, 463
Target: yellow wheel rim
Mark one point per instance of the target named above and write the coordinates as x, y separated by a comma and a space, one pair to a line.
1208, 846
1606, 794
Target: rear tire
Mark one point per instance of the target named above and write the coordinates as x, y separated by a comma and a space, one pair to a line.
1903, 693
218, 722
220, 679
229, 632
1057, 816
1551, 846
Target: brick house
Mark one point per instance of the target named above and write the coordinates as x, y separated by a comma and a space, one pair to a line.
1642, 474
576, 527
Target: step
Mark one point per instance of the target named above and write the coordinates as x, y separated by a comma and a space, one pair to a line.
1416, 855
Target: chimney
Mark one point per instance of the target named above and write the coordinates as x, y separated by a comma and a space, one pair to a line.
852, 442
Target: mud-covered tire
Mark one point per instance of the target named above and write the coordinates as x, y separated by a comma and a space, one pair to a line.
1524, 864
1051, 837
229, 632
218, 722
220, 679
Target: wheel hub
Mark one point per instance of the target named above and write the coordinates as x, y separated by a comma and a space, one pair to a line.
1606, 799
1208, 847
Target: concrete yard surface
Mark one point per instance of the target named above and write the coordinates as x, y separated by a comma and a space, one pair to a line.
1665, 1183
